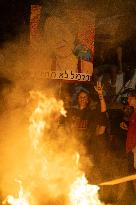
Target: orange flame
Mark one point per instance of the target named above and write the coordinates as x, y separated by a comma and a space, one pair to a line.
42, 114
22, 197
82, 193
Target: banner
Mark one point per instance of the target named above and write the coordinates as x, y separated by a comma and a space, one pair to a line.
64, 75
68, 40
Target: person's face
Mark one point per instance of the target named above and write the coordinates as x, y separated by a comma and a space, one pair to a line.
132, 101
83, 100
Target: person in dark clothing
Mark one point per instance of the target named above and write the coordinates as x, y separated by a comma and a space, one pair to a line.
86, 119
131, 131
116, 134
87, 124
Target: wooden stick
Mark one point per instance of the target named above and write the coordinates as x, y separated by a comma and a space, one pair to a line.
118, 181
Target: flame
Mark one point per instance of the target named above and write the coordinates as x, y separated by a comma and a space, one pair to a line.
42, 114
47, 110
65, 180
22, 198
82, 193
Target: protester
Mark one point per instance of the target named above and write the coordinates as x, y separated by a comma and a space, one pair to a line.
85, 118
131, 136
87, 124
131, 129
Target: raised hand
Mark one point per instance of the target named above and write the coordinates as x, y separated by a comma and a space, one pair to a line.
99, 88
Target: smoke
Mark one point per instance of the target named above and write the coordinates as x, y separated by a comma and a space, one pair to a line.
44, 159
48, 171
53, 166
115, 20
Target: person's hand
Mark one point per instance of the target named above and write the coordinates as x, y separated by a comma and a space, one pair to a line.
99, 89
123, 126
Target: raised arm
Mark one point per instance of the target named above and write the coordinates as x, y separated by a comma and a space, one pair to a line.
99, 90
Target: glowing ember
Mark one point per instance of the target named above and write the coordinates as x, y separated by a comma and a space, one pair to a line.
82, 193
21, 200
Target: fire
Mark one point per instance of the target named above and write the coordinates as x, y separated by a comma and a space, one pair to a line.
41, 116
22, 198
82, 193
47, 110
58, 173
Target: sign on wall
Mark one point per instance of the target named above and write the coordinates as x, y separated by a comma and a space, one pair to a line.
68, 39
